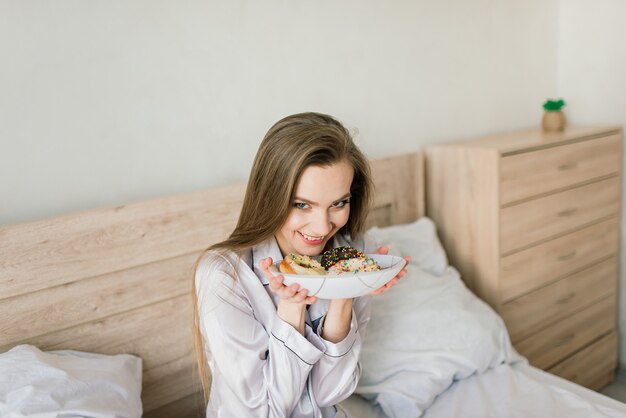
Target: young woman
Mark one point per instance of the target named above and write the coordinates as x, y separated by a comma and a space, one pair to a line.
273, 350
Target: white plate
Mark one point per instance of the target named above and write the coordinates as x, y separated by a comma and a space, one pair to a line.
348, 285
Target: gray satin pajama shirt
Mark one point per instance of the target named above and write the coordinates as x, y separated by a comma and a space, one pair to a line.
261, 366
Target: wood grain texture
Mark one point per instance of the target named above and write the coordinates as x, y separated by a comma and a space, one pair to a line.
399, 190
519, 141
545, 306
461, 196
42, 254
32, 314
545, 263
537, 220
191, 406
536, 172
551, 345
593, 367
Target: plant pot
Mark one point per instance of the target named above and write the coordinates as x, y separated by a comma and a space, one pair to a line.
553, 121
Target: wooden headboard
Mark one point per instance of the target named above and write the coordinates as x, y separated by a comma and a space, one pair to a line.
118, 280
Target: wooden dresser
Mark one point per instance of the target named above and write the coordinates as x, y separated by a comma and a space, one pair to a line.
531, 221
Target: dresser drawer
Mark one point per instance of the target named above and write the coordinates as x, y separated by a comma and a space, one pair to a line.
536, 172
542, 264
593, 366
543, 307
559, 213
558, 341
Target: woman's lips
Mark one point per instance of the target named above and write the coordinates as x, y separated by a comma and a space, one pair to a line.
311, 240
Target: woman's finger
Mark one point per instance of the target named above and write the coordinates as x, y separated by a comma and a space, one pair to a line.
276, 282
301, 295
286, 292
294, 288
265, 267
392, 283
382, 250
387, 285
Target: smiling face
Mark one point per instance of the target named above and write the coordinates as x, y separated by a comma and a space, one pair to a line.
321, 207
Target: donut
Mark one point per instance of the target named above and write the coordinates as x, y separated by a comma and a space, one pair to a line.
301, 264
354, 265
335, 255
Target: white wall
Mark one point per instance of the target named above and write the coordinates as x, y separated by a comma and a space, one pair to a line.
592, 80
105, 102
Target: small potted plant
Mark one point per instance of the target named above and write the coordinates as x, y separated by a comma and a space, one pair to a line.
553, 117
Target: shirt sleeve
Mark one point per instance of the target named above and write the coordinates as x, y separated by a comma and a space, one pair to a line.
335, 376
254, 374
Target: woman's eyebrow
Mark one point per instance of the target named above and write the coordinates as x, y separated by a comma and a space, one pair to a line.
310, 202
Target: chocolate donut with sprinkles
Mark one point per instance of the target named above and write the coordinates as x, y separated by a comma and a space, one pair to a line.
331, 257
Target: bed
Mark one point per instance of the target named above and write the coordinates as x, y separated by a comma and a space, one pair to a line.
112, 287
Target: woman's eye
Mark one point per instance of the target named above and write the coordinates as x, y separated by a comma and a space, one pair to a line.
301, 205
341, 203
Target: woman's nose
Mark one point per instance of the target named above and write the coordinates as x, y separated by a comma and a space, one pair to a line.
321, 223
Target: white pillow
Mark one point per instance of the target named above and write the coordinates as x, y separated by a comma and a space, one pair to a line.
423, 334
69, 383
418, 239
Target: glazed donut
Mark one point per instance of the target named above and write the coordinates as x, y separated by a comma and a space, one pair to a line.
335, 255
354, 265
301, 264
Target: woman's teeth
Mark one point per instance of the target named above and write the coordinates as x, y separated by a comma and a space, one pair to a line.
311, 238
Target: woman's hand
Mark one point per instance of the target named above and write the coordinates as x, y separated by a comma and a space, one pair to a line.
293, 300
392, 282
292, 293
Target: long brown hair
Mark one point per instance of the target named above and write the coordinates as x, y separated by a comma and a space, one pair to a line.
290, 146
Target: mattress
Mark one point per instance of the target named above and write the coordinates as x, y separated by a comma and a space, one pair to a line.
518, 390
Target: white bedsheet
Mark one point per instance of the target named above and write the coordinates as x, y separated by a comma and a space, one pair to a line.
424, 334
521, 391
508, 391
